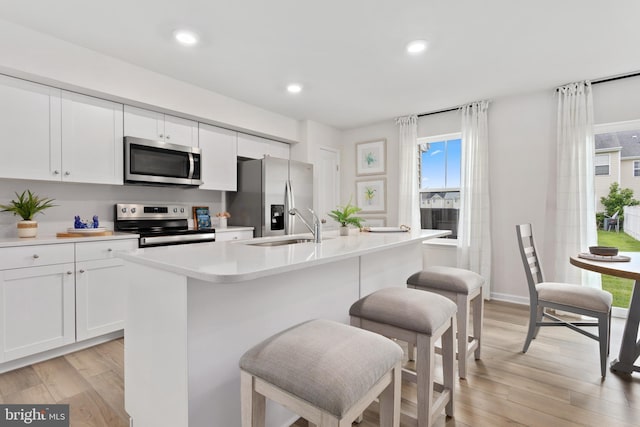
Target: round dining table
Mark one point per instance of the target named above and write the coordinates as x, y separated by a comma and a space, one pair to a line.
630, 346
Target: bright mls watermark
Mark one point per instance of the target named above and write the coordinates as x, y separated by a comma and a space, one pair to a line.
34, 415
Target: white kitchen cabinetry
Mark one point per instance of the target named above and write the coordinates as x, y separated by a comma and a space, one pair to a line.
30, 123
224, 236
92, 147
156, 126
255, 147
53, 295
219, 158
37, 302
100, 287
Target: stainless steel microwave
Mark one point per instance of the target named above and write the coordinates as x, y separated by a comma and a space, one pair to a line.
160, 163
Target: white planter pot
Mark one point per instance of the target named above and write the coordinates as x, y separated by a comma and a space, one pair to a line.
222, 222
27, 228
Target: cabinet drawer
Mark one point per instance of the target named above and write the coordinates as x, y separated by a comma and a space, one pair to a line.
223, 236
103, 249
36, 255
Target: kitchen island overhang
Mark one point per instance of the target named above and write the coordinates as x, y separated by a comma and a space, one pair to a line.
193, 310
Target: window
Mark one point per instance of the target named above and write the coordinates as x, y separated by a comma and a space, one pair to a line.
601, 162
636, 168
439, 175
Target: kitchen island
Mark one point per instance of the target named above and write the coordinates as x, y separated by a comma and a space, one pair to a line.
193, 310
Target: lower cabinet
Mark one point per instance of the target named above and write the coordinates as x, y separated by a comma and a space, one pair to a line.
38, 310
47, 306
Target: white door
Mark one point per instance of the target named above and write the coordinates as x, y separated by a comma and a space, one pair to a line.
143, 123
37, 306
30, 123
219, 163
328, 185
180, 131
100, 297
92, 148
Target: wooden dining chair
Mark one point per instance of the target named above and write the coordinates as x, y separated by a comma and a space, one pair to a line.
577, 299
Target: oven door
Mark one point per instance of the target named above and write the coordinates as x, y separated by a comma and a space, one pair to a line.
160, 163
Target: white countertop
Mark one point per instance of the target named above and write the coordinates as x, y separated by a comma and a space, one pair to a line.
237, 261
51, 239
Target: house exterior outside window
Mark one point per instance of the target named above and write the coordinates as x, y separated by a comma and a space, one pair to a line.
439, 181
636, 168
601, 162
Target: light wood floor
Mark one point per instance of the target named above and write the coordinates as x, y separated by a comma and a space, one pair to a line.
557, 383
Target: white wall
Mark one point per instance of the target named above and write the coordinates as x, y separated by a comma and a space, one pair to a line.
26, 53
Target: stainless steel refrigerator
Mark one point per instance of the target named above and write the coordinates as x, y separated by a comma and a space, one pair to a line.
267, 189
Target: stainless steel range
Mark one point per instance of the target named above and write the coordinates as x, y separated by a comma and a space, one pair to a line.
159, 225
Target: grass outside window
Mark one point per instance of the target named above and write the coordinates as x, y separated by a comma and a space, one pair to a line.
619, 288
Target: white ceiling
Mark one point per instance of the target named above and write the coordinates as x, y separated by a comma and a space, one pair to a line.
349, 54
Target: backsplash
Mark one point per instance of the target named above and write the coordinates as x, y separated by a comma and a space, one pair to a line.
87, 200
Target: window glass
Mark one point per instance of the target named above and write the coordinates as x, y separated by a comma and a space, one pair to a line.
601, 162
440, 182
636, 168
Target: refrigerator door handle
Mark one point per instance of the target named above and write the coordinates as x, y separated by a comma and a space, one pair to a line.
288, 205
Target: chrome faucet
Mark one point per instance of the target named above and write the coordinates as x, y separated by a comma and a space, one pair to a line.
316, 230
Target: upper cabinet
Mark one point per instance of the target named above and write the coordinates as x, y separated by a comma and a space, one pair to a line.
56, 135
255, 147
159, 127
219, 150
92, 147
30, 123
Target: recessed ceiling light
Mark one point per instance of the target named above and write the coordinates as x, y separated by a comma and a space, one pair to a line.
187, 38
416, 46
294, 88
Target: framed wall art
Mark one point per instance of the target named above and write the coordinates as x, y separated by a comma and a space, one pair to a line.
371, 195
371, 157
201, 218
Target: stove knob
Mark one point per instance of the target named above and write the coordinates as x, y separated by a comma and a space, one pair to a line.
175, 210
133, 210
123, 210
182, 210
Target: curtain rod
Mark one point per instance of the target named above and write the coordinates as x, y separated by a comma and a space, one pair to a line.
618, 77
593, 82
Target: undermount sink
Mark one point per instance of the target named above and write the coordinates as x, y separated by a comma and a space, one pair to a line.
281, 242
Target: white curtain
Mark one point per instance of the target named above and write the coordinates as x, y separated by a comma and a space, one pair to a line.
408, 194
575, 196
474, 224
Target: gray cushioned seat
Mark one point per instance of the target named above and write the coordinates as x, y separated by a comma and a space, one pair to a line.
329, 364
447, 278
405, 308
575, 296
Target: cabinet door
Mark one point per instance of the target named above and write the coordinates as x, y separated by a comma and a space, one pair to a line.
30, 123
100, 297
255, 147
143, 123
92, 146
37, 306
180, 131
219, 158
233, 235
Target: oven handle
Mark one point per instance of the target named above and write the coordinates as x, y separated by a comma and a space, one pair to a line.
191, 166
184, 238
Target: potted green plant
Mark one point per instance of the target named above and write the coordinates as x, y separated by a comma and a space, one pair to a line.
26, 206
345, 215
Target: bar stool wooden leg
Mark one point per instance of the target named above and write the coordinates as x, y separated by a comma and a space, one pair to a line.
478, 315
253, 404
462, 301
448, 364
425, 368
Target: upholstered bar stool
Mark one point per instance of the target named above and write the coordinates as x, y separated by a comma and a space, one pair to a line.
463, 287
420, 319
324, 371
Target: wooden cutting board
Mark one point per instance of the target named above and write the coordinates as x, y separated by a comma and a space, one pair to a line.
99, 234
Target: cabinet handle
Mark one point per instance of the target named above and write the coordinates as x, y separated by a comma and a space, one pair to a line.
109, 250
36, 256
160, 135
69, 273
168, 137
81, 271
67, 173
56, 172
